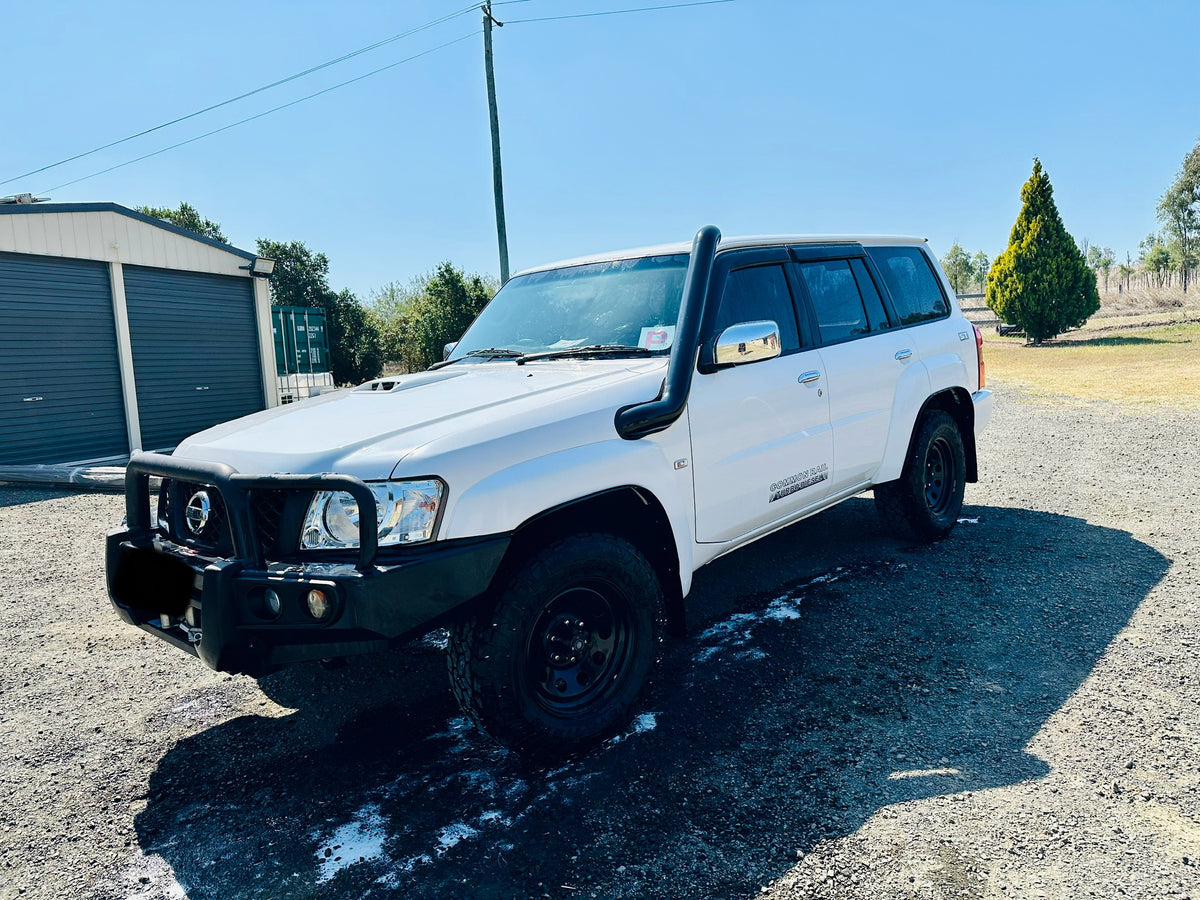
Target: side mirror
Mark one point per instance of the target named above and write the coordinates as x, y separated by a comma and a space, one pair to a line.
747, 342
448, 349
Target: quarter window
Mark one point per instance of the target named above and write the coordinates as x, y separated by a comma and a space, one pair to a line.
914, 289
756, 294
870, 294
835, 300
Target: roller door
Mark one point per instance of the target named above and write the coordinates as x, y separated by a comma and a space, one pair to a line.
60, 378
195, 351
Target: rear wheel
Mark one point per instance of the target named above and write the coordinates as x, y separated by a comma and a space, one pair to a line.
924, 502
559, 659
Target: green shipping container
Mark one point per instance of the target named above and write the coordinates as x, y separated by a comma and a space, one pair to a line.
301, 340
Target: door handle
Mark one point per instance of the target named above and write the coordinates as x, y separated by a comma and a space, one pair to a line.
809, 377
903, 354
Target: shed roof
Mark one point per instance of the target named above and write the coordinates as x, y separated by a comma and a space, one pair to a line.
113, 233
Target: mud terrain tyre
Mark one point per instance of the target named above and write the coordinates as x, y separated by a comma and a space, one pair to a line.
558, 660
924, 502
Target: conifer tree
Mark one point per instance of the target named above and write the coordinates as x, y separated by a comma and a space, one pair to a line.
1041, 282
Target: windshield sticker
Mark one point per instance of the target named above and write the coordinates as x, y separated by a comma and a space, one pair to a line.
799, 482
657, 337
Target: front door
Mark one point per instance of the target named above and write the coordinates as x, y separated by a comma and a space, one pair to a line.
762, 448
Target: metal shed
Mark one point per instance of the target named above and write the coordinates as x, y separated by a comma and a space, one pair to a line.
120, 331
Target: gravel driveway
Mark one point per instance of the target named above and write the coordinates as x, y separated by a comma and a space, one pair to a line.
1010, 713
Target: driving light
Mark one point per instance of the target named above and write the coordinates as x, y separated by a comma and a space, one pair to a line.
318, 604
405, 511
271, 603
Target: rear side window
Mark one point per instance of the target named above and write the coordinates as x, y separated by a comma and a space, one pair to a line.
835, 300
914, 288
756, 294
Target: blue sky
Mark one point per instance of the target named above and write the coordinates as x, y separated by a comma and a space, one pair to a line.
759, 116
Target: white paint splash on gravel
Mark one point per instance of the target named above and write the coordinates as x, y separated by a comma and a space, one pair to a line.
151, 878
492, 787
359, 840
453, 835
731, 637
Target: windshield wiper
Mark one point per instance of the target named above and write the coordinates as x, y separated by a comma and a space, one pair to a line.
589, 350
486, 353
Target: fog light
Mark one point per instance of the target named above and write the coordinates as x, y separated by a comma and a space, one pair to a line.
272, 603
318, 604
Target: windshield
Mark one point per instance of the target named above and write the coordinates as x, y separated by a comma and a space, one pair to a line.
623, 303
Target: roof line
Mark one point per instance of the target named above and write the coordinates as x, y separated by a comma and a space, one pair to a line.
9, 209
734, 242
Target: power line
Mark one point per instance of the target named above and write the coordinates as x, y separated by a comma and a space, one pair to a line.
319, 67
268, 112
612, 12
258, 90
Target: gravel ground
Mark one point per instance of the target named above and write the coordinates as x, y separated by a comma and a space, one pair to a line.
1013, 712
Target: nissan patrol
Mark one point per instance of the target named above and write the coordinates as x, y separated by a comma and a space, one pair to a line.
603, 429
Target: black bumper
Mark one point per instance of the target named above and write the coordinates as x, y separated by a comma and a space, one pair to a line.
217, 609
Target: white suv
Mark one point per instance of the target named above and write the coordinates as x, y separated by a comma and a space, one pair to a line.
603, 429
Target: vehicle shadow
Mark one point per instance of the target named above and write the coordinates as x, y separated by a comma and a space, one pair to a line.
828, 672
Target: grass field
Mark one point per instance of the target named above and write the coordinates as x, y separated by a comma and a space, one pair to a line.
1145, 366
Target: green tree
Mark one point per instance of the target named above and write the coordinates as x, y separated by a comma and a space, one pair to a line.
187, 217
1041, 281
1146, 244
447, 302
391, 309
1126, 272
981, 264
301, 278
1105, 263
1155, 259
957, 266
354, 343
1179, 211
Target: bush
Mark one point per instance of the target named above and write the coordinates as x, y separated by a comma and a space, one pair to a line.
416, 321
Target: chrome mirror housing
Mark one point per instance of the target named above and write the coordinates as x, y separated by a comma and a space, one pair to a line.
747, 342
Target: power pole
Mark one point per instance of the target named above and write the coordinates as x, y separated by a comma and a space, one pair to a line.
497, 178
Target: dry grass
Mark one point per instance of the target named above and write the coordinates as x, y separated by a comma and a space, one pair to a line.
1140, 367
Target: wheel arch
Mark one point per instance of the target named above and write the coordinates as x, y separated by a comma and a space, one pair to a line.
957, 403
630, 512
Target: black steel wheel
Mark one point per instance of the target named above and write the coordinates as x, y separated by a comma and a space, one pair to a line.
924, 502
560, 658
580, 648
941, 478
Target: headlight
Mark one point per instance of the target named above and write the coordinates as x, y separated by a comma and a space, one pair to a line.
405, 510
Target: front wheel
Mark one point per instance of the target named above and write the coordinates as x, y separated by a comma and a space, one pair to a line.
924, 502
558, 660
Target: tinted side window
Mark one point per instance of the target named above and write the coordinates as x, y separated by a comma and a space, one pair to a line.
759, 293
835, 299
913, 287
871, 299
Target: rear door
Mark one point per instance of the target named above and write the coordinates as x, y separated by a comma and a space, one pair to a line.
761, 445
865, 357
920, 300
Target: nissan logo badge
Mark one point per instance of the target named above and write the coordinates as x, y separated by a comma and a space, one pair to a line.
197, 512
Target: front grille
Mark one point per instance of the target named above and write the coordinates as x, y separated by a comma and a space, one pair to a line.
269, 508
275, 516
209, 528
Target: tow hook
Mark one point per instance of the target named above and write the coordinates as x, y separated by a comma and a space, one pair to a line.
193, 634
